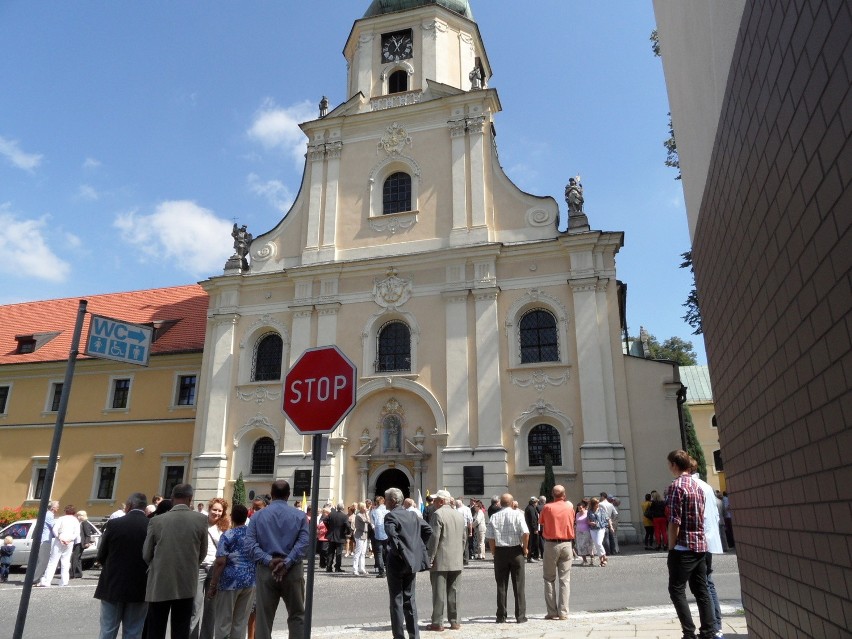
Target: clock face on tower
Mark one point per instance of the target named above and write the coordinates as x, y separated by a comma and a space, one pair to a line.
397, 46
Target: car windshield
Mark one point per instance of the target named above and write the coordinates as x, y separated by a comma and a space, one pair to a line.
16, 531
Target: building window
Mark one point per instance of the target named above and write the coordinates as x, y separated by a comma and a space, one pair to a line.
396, 196
267, 358
105, 482
39, 477
172, 476
186, 390
26, 345
713, 422
55, 396
4, 398
718, 466
542, 441
538, 337
393, 351
120, 393
398, 82
263, 457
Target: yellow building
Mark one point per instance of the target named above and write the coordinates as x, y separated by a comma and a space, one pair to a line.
699, 399
127, 428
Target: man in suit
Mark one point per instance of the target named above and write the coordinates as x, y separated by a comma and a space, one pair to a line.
337, 530
446, 558
124, 574
174, 548
531, 516
407, 555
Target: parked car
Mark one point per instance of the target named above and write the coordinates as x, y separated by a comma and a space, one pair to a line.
21, 533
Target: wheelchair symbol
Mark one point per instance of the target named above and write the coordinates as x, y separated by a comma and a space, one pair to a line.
118, 349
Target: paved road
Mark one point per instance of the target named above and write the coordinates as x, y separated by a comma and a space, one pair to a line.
634, 579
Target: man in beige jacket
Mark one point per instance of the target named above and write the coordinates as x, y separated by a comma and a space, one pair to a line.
446, 557
174, 548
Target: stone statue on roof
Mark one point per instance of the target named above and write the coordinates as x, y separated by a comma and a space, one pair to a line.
242, 241
574, 195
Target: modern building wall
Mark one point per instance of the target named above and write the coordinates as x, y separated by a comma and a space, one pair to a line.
772, 261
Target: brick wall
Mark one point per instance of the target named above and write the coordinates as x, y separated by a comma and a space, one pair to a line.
772, 256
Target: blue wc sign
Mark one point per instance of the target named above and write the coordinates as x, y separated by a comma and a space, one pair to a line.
120, 341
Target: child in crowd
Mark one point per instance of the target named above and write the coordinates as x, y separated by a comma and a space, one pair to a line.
6, 551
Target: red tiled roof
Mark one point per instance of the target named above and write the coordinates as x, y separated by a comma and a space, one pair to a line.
185, 304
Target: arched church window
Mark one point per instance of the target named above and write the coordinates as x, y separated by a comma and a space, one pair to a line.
542, 441
538, 337
393, 352
396, 197
263, 457
267, 358
398, 82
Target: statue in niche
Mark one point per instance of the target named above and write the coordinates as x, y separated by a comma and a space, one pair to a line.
475, 77
392, 432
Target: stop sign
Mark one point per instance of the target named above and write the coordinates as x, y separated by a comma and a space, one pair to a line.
319, 390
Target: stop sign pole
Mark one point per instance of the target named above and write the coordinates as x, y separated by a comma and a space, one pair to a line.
319, 392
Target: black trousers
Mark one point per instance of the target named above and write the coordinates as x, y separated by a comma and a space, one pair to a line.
380, 554
509, 563
690, 567
335, 556
158, 618
533, 547
403, 604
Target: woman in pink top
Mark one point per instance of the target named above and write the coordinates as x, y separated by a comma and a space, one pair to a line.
585, 549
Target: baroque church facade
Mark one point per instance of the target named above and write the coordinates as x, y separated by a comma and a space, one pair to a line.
488, 343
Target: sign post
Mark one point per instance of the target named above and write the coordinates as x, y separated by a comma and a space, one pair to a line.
319, 391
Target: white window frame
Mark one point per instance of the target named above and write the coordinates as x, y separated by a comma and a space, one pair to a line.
39, 462
176, 392
100, 462
543, 413
172, 459
51, 391
111, 394
376, 185
8, 385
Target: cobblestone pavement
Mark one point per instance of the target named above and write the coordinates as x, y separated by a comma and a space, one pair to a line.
645, 623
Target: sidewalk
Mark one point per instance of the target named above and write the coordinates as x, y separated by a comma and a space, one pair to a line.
646, 623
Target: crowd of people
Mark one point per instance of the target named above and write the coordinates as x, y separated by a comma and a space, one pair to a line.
217, 571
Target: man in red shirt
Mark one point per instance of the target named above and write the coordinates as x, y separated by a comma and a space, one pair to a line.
557, 529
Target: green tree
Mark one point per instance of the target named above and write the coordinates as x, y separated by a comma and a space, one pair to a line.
673, 349
239, 491
672, 157
549, 482
693, 446
693, 312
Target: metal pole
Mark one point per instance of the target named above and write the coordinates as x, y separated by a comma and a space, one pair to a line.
316, 450
24, 604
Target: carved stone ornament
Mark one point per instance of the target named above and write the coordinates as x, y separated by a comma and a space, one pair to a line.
394, 222
260, 422
543, 409
539, 380
394, 140
393, 291
259, 395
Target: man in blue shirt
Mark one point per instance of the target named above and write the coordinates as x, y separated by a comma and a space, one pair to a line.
277, 541
380, 537
46, 540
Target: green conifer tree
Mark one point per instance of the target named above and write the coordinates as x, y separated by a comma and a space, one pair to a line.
239, 491
549, 479
693, 446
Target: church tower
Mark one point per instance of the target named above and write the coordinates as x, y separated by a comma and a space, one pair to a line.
487, 341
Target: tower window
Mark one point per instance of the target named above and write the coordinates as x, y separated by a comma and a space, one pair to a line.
398, 82
544, 441
397, 194
538, 337
394, 348
263, 457
267, 358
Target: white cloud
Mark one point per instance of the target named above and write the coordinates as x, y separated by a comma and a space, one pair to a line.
273, 191
86, 192
73, 241
91, 163
10, 150
278, 127
182, 232
24, 250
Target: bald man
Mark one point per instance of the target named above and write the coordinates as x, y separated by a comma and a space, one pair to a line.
557, 526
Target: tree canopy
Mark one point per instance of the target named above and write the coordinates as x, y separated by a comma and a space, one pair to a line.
673, 349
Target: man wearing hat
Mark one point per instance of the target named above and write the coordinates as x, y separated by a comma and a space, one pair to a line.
531, 516
446, 558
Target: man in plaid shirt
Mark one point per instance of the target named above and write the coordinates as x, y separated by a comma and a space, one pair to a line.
687, 547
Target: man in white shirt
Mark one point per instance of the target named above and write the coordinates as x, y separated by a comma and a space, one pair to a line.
610, 539
467, 513
409, 505
508, 536
66, 531
714, 542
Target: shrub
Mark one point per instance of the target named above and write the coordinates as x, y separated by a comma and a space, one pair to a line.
9, 514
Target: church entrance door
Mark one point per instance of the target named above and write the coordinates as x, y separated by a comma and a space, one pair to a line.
393, 478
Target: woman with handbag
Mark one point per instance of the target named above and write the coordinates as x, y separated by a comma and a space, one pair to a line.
598, 525
360, 534
87, 533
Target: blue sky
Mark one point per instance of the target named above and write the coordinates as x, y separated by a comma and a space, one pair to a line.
133, 134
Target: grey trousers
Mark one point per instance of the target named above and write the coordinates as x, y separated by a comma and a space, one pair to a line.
557, 564
269, 592
445, 585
